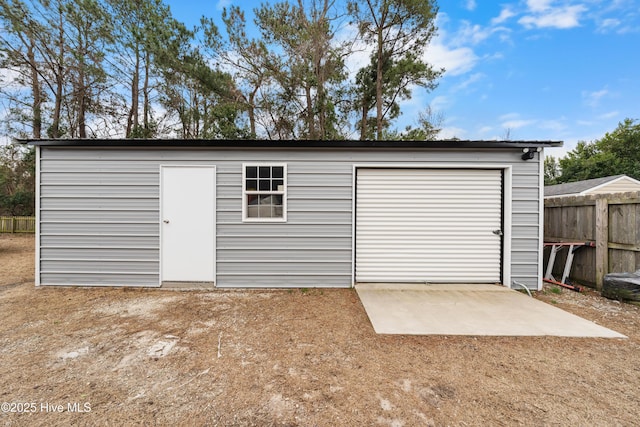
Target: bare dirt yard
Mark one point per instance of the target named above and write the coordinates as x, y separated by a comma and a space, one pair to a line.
74, 356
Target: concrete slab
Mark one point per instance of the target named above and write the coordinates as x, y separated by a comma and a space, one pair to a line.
487, 310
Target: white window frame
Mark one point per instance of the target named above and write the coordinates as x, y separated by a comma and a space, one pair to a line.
245, 193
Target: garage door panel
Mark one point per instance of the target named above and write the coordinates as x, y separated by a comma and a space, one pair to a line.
415, 254
434, 225
410, 212
433, 230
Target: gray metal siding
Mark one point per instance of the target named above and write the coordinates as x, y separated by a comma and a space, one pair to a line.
312, 249
98, 220
99, 213
525, 241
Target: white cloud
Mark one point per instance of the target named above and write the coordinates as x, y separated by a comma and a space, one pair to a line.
514, 121
592, 99
560, 152
455, 61
359, 58
449, 132
474, 34
505, 14
10, 79
470, 34
470, 5
546, 17
476, 77
361, 52
509, 116
609, 115
608, 25
516, 124
538, 5
454, 51
440, 102
485, 130
554, 125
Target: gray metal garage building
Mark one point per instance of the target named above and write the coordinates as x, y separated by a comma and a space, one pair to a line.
288, 213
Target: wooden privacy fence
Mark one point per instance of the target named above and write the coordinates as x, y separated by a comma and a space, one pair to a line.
17, 224
611, 221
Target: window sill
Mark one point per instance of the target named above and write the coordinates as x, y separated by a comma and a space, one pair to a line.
265, 220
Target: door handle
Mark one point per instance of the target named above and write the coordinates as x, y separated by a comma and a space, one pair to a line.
497, 232
166, 221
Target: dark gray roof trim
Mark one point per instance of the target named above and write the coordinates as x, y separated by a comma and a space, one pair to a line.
219, 143
577, 186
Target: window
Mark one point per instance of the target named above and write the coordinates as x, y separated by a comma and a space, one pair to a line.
264, 192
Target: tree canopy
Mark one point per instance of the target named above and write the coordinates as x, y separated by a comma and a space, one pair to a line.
399, 32
616, 153
17, 179
128, 68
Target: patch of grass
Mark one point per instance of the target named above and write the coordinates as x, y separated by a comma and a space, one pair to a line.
555, 290
554, 301
304, 291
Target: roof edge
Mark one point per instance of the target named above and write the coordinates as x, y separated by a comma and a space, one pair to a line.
225, 143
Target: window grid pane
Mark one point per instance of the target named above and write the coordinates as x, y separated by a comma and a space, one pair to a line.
265, 187
277, 172
252, 172
264, 172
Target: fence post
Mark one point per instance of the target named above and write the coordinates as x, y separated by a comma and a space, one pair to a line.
602, 240
13, 224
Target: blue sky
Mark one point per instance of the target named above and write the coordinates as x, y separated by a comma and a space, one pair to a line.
541, 69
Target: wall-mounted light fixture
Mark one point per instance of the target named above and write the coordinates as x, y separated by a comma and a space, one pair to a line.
529, 153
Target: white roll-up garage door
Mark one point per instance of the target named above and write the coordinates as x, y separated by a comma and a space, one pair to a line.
428, 225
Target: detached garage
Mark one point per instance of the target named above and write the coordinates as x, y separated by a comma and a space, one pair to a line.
288, 213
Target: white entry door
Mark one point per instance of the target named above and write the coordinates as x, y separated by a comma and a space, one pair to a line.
187, 218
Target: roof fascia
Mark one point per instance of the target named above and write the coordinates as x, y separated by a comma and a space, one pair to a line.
264, 144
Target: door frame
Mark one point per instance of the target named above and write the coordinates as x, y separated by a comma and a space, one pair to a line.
161, 213
505, 261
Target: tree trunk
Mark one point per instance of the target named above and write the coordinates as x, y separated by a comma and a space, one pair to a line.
35, 89
57, 104
205, 118
81, 90
195, 120
82, 108
321, 102
363, 122
251, 110
311, 128
145, 90
379, 55
132, 119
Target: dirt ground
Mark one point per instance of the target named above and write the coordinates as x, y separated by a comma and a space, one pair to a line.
72, 356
